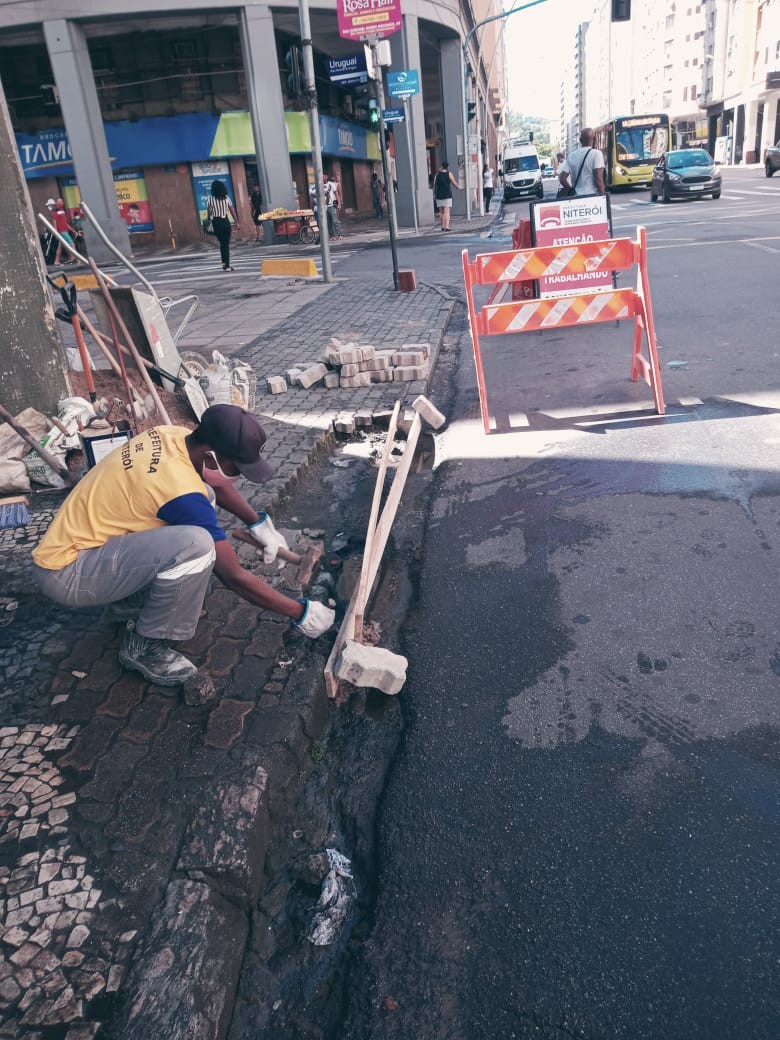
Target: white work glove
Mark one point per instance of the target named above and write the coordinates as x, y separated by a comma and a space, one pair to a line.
316, 619
266, 536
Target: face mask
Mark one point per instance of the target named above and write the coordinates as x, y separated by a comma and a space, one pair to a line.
217, 477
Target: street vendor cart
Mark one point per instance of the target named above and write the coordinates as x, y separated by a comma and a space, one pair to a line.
296, 227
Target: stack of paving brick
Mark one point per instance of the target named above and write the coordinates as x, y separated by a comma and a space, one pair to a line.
348, 366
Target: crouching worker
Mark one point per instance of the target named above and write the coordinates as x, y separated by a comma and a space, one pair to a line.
140, 532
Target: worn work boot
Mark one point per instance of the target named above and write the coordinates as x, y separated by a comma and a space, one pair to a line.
154, 659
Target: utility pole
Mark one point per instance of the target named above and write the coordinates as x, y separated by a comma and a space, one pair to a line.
310, 90
389, 188
32, 371
466, 42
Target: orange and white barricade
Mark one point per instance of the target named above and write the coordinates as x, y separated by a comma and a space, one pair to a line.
500, 317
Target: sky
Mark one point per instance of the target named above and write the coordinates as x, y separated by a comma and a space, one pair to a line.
539, 49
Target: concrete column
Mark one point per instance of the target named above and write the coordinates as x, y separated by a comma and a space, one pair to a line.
31, 369
411, 157
67, 47
266, 106
452, 110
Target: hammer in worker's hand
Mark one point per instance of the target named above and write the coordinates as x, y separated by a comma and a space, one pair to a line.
284, 554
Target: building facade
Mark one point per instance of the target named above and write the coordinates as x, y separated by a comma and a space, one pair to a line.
712, 65
136, 106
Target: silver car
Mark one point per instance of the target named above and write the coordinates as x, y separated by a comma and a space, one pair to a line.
686, 173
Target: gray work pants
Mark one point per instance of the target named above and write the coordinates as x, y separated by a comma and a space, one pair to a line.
173, 563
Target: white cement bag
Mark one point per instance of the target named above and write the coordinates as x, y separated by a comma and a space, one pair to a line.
12, 446
13, 476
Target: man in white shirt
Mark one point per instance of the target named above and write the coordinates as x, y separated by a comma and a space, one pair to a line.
332, 200
584, 168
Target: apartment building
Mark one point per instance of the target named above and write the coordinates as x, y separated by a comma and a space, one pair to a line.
712, 65
740, 85
573, 94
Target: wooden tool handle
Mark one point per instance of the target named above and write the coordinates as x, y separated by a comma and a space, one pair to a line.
47, 457
283, 554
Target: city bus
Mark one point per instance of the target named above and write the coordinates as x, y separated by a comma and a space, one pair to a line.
632, 145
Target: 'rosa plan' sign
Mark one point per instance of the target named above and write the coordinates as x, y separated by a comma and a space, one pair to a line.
364, 19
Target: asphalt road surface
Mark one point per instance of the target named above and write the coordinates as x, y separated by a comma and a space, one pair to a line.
580, 833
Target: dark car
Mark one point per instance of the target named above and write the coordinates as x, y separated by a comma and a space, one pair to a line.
687, 173
772, 160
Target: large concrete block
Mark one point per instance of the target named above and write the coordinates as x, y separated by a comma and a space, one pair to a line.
227, 835
352, 382
429, 412
344, 424
350, 370
407, 373
371, 666
312, 375
276, 384
367, 353
349, 356
383, 376
184, 982
379, 364
291, 375
332, 380
419, 348
408, 357
364, 417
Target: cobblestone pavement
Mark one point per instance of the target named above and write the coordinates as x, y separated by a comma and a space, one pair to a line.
133, 827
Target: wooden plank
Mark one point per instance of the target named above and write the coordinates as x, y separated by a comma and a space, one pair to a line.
381, 535
362, 591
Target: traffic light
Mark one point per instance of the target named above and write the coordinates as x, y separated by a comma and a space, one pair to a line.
373, 114
621, 10
471, 110
292, 60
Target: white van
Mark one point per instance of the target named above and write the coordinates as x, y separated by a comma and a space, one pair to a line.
522, 175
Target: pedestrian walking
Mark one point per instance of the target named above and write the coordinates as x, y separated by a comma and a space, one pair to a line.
586, 164
377, 190
443, 183
256, 202
333, 202
64, 227
219, 211
487, 186
140, 533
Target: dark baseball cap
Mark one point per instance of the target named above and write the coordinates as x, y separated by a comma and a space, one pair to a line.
236, 434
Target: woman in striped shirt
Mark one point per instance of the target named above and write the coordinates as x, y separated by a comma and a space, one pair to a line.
219, 211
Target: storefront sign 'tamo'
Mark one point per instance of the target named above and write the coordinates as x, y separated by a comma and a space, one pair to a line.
190, 137
368, 19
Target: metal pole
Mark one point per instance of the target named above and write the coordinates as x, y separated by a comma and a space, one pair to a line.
466, 42
410, 146
478, 128
466, 178
310, 91
410, 139
389, 189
